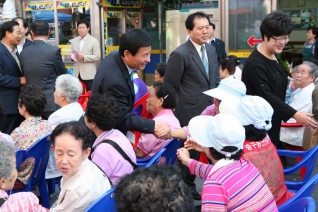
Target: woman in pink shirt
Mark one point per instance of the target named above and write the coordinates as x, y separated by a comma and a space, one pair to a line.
101, 116
230, 183
22, 201
161, 102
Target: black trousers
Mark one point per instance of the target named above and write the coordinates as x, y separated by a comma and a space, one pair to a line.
10, 122
186, 176
88, 83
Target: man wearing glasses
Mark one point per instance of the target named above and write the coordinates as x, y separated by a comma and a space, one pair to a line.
264, 76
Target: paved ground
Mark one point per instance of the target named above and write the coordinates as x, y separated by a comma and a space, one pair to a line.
199, 183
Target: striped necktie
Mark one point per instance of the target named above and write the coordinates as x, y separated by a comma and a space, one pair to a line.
205, 61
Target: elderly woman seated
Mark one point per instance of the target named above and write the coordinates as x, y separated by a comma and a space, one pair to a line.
22, 201
157, 188
83, 182
67, 91
32, 102
161, 102
243, 188
101, 116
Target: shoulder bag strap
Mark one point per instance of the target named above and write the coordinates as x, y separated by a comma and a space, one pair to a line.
117, 147
2, 201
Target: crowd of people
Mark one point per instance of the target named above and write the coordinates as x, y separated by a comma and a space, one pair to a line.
200, 95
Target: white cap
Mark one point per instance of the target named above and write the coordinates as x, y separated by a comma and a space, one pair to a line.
250, 110
218, 132
229, 88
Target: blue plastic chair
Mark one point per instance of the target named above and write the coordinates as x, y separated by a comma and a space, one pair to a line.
305, 191
308, 161
153, 160
171, 149
305, 204
40, 151
20, 155
104, 203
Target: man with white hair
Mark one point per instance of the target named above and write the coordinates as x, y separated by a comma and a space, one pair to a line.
304, 78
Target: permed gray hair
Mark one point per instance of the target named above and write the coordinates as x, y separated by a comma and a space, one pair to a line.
68, 86
6, 164
313, 68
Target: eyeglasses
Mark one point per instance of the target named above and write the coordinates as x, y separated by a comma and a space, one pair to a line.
281, 39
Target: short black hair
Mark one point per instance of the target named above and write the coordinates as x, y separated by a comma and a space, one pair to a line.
189, 23
40, 28
161, 68
84, 21
158, 188
133, 41
253, 134
234, 59
76, 129
276, 23
218, 156
25, 23
2, 113
229, 65
167, 92
103, 110
212, 24
7, 27
33, 98
314, 30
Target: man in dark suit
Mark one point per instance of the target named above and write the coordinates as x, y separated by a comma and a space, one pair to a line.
11, 77
24, 28
42, 64
218, 44
115, 78
193, 68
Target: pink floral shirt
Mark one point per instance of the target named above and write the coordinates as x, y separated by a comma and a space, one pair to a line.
29, 131
22, 201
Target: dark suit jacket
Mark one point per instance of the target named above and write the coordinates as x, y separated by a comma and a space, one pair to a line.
220, 49
112, 78
42, 64
185, 71
26, 44
9, 81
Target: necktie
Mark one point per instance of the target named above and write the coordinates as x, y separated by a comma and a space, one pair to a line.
213, 43
205, 61
132, 75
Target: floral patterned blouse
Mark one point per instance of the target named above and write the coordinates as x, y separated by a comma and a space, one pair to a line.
29, 131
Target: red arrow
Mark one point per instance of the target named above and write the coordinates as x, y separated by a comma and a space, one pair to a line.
252, 41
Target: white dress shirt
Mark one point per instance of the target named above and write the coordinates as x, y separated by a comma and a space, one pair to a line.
80, 190
302, 102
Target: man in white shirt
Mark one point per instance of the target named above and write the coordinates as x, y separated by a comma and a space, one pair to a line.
218, 44
304, 78
23, 24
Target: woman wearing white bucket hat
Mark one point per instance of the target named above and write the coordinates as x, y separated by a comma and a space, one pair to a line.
231, 183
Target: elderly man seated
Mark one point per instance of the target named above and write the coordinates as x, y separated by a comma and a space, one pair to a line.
161, 102
304, 78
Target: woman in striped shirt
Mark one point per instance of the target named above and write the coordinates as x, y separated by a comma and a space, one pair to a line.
231, 183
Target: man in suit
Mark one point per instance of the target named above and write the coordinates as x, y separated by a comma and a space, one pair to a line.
42, 64
24, 29
11, 77
193, 68
88, 52
115, 78
218, 44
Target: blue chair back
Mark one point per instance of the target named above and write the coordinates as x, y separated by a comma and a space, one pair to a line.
152, 160
308, 161
104, 203
20, 156
306, 204
40, 151
171, 148
304, 192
